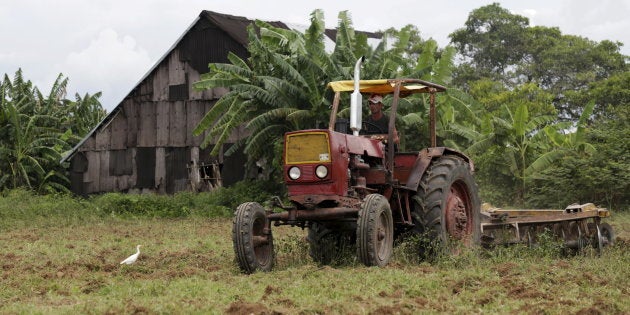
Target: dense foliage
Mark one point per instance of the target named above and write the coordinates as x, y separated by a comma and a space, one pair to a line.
282, 85
20, 206
528, 104
565, 96
543, 114
35, 129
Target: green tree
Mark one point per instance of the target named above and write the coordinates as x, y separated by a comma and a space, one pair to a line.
602, 177
492, 40
32, 143
507, 139
36, 128
498, 45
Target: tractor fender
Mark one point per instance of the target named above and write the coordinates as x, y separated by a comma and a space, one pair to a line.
424, 160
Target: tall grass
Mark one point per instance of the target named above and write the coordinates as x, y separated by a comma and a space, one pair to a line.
19, 208
60, 254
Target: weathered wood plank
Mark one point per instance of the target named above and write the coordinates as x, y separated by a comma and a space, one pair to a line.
193, 76
163, 125
160, 82
91, 176
177, 132
147, 131
106, 182
122, 183
160, 169
119, 132
103, 138
131, 112
89, 144
195, 110
176, 70
134, 174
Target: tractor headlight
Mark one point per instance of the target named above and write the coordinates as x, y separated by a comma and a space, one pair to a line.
321, 171
294, 173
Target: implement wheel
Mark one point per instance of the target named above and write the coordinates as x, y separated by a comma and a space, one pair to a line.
253, 248
447, 206
375, 231
605, 236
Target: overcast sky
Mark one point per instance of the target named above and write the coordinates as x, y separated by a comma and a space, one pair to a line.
109, 45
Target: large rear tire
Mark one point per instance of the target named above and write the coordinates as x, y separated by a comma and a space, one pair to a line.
375, 231
253, 248
447, 208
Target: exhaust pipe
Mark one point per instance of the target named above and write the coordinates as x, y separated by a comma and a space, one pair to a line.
356, 100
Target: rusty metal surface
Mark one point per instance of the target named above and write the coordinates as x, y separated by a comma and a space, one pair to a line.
576, 226
423, 161
540, 219
315, 214
390, 140
432, 117
315, 199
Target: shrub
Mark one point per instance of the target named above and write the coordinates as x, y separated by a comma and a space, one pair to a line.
244, 191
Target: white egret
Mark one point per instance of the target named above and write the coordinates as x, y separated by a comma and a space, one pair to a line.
132, 259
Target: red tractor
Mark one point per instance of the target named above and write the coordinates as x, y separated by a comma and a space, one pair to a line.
353, 187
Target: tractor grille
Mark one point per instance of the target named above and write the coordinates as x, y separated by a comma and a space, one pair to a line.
311, 147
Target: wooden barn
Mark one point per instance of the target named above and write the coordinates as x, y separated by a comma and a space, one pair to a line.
145, 144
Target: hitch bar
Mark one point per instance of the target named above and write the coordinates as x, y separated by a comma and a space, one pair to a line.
315, 214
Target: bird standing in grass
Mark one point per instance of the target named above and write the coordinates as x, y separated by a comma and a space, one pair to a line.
132, 259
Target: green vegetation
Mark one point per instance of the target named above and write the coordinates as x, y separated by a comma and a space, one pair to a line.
36, 129
61, 255
21, 208
545, 117
534, 108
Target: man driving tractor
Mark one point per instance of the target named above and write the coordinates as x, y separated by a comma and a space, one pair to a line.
377, 122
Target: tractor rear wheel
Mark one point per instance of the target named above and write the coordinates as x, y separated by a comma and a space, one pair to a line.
447, 207
253, 248
326, 245
375, 231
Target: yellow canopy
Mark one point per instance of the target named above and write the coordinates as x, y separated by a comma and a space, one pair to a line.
382, 86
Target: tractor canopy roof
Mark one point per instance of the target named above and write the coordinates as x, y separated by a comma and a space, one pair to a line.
387, 86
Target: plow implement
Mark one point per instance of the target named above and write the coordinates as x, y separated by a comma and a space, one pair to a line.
577, 226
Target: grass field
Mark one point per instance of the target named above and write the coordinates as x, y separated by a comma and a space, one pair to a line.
59, 263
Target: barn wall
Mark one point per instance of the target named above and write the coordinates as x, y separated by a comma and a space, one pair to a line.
148, 144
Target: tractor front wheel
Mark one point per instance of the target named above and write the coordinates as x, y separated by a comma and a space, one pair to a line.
447, 206
253, 245
375, 231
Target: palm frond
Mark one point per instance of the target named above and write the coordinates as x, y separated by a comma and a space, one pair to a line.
443, 68
259, 143
270, 116
544, 161
219, 108
412, 119
315, 33
521, 117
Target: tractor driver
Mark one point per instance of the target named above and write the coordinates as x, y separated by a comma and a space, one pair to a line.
377, 122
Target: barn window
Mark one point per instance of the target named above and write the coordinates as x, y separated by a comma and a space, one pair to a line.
178, 92
145, 163
120, 162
